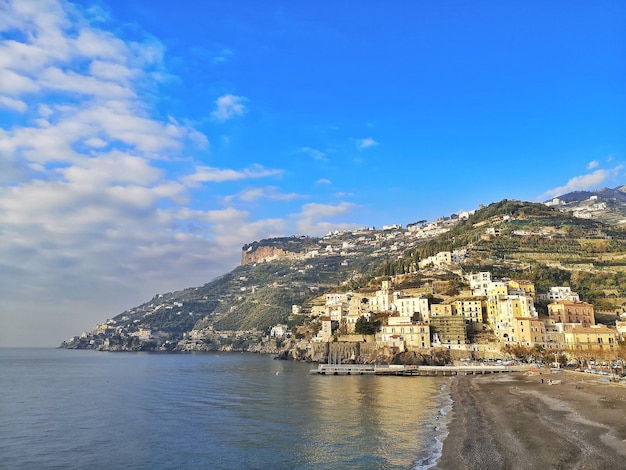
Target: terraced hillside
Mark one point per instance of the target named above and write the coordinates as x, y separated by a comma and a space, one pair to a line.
510, 238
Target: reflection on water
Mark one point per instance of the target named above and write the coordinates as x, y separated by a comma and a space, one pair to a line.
368, 421
70, 409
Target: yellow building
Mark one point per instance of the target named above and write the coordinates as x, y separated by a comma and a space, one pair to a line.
437, 310
593, 338
523, 285
471, 309
495, 292
507, 310
405, 335
101, 328
528, 331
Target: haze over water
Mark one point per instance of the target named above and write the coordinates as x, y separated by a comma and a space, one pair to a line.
79, 409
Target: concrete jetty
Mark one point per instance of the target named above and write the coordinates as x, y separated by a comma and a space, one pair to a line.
411, 370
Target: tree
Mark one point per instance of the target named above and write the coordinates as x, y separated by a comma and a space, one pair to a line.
365, 327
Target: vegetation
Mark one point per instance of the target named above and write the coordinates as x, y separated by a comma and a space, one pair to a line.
527, 241
363, 326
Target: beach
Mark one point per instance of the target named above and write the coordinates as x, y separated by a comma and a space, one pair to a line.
530, 420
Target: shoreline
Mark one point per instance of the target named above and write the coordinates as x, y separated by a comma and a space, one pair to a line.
515, 421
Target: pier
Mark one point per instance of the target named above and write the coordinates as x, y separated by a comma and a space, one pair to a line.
410, 370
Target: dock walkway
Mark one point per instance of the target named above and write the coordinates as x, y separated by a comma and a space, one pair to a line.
408, 370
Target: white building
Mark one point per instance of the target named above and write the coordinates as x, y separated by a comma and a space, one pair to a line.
479, 282
279, 331
559, 293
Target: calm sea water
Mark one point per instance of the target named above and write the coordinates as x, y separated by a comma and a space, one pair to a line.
70, 409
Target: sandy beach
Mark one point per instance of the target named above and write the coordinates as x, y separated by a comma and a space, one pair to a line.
514, 421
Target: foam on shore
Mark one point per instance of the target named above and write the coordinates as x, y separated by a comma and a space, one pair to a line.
431, 451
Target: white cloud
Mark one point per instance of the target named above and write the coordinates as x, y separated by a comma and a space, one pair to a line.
593, 164
95, 218
315, 153
11, 103
229, 107
266, 192
323, 181
366, 143
313, 218
222, 56
207, 174
13, 83
583, 182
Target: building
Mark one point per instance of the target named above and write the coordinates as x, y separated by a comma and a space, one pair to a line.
443, 258
437, 310
448, 330
325, 334
279, 331
479, 282
470, 309
506, 309
410, 306
523, 286
593, 338
566, 311
528, 331
358, 307
405, 335
142, 333
554, 339
337, 298
559, 293
382, 301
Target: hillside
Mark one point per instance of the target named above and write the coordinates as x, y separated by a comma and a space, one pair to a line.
510, 238
605, 205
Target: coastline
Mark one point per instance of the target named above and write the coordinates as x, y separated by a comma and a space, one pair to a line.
515, 421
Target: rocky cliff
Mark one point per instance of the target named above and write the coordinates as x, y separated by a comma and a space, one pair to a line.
273, 249
263, 254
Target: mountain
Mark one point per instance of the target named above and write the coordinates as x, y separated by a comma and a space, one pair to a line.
618, 193
606, 204
510, 238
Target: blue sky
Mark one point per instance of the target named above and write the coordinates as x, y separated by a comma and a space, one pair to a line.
143, 143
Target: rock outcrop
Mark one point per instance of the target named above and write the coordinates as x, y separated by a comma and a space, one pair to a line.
264, 254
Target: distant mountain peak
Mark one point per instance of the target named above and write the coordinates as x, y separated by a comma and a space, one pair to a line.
618, 193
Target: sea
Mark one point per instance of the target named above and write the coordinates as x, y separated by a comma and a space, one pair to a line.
80, 409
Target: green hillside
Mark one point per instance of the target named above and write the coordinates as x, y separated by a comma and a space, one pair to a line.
510, 239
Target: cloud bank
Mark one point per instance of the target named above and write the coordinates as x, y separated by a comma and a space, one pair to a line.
586, 182
101, 204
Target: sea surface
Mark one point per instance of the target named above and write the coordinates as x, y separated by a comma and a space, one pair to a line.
74, 409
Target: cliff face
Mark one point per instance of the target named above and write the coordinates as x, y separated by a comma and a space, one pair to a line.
267, 253
272, 249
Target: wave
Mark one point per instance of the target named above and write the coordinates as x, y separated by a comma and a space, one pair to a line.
432, 446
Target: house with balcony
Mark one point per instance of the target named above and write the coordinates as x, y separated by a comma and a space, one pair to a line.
593, 338
566, 311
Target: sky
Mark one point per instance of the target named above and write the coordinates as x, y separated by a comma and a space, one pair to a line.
143, 143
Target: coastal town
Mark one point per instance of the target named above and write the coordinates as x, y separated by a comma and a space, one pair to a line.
423, 307
493, 319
